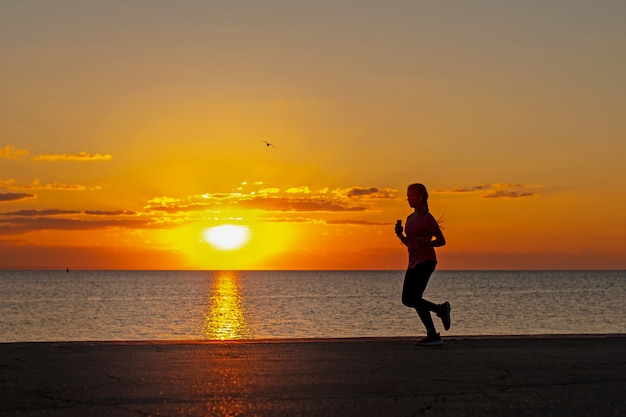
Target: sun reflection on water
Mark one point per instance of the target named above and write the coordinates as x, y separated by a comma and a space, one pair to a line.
225, 318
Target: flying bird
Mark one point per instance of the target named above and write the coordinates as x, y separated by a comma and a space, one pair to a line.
267, 144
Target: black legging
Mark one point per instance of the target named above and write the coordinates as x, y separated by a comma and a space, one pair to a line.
415, 282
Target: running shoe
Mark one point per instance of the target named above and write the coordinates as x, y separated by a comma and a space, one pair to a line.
445, 315
430, 340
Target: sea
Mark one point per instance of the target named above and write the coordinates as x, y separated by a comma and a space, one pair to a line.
51, 306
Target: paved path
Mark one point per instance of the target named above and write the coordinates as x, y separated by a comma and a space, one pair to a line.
523, 376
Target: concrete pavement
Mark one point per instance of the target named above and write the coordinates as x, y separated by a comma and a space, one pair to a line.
467, 376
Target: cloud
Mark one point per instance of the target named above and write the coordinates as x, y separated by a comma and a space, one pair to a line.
32, 220
80, 156
299, 190
56, 186
500, 185
507, 194
291, 220
358, 223
37, 185
348, 222
294, 199
165, 212
164, 200
269, 191
59, 212
280, 204
15, 196
469, 189
370, 192
110, 212
496, 190
296, 204
11, 152
30, 213
24, 225
179, 208
504, 190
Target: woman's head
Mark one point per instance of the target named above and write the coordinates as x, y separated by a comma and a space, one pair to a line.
417, 195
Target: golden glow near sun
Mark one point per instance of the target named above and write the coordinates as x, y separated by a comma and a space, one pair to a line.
227, 236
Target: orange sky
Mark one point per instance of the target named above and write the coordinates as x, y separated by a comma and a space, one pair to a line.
129, 129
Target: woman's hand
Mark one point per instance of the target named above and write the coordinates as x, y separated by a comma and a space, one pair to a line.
399, 229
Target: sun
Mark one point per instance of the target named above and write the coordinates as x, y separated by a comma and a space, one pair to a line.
227, 236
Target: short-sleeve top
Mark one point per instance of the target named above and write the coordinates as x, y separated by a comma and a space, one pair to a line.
424, 227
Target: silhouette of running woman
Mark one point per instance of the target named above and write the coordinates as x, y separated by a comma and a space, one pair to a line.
423, 235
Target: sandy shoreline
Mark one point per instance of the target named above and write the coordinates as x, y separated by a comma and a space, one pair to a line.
557, 375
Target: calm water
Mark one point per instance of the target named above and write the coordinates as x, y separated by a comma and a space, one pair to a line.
166, 305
